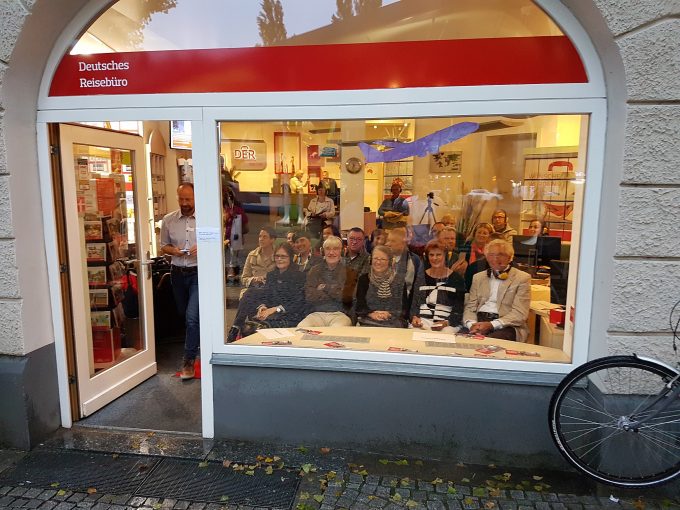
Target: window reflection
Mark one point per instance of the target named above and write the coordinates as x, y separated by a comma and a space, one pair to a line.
443, 210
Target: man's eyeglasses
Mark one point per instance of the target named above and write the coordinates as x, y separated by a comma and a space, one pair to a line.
281, 257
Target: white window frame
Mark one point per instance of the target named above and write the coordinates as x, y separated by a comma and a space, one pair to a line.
206, 110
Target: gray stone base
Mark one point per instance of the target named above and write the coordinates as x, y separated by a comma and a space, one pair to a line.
29, 398
470, 416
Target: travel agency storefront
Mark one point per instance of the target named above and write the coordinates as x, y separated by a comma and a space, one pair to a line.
135, 99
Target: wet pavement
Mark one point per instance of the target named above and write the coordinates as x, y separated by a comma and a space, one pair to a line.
84, 468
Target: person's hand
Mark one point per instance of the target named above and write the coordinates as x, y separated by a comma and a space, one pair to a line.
416, 322
437, 325
481, 328
263, 313
380, 315
193, 250
321, 286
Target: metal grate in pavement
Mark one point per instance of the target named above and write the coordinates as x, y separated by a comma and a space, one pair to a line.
79, 471
186, 480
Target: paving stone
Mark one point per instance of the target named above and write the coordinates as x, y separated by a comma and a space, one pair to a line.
588, 500
404, 493
182, 505
383, 492
31, 493
77, 497
350, 493
136, 501
17, 503
377, 503
328, 506
344, 502
47, 494
550, 496
574, 506
48, 505
98, 506
419, 495
213, 506
606, 502
558, 506
152, 502
352, 485
108, 499
434, 496
64, 506
454, 505
94, 497
33, 503
534, 496
120, 499
525, 507
62, 495
568, 498
6, 500
362, 498
598, 507
425, 485
117, 507
368, 489
393, 506
336, 484
359, 506
372, 480
542, 505
356, 478
442, 488
17, 492
436, 505
469, 503
390, 481
463, 489
515, 494
407, 483
88, 504
5, 489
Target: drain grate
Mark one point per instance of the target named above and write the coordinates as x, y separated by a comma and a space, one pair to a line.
185, 480
79, 471
153, 477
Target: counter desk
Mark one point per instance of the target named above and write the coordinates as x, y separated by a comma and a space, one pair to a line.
404, 341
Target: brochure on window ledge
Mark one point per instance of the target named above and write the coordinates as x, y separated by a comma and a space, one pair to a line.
275, 333
433, 336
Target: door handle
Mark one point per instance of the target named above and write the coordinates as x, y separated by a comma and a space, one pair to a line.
147, 262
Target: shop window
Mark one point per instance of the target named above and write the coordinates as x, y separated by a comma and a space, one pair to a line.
368, 182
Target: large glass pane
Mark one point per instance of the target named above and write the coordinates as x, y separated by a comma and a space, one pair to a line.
141, 25
106, 210
436, 191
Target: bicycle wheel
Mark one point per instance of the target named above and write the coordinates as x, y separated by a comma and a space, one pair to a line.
589, 412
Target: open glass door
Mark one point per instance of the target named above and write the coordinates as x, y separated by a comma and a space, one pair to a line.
108, 234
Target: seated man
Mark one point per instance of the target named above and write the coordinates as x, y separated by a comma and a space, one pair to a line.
328, 289
499, 220
394, 211
498, 304
454, 259
304, 258
356, 257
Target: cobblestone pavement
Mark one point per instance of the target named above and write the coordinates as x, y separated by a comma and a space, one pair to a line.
342, 479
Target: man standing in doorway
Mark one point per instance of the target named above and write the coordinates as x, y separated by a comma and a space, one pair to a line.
178, 239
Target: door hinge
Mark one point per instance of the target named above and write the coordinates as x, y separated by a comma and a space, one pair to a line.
72, 379
54, 150
63, 268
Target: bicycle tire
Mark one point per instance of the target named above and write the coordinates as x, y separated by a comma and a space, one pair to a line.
586, 413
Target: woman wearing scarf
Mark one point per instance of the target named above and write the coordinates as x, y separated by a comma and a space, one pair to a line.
380, 293
439, 294
474, 251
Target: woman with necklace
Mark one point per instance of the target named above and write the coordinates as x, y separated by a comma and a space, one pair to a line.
439, 294
380, 293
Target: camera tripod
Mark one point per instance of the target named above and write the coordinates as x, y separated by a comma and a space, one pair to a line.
429, 212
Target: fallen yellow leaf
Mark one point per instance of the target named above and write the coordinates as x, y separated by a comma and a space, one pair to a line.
91, 490
325, 450
226, 463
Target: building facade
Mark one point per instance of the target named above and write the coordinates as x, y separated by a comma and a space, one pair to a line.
635, 274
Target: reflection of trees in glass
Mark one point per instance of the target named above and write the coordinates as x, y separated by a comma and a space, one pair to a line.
151, 7
364, 6
344, 10
270, 23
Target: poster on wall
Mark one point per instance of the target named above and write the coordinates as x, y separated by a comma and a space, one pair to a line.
180, 134
446, 162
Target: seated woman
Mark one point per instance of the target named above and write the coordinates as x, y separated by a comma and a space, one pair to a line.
281, 303
380, 292
439, 294
537, 228
474, 251
318, 212
498, 304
